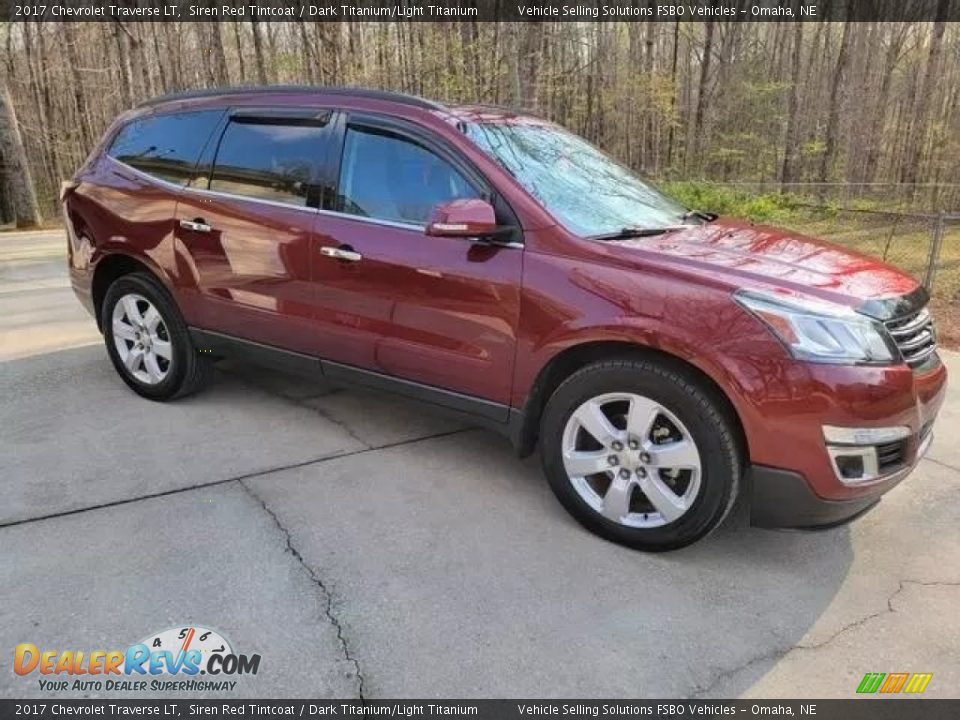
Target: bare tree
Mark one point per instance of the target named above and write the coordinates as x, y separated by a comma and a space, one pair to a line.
788, 169
770, 102
829, 158
17, 176
258, 51
698, 138
918, 129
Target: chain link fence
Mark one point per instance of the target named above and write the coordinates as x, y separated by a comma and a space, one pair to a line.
905, 225
914, 227
927, 198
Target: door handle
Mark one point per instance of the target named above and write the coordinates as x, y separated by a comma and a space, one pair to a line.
341, 254
196, 225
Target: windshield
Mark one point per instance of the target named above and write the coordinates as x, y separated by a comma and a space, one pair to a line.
588, 192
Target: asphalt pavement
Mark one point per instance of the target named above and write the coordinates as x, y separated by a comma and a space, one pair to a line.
366, 545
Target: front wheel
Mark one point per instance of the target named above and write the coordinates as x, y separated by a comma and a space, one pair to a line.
640, 453
148, 341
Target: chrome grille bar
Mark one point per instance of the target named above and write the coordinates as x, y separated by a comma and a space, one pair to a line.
910, 325
914, 336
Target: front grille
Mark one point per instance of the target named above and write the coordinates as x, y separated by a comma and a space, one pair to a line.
889, 455
915, 336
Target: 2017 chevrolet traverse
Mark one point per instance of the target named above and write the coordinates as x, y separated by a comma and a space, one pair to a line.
492, 263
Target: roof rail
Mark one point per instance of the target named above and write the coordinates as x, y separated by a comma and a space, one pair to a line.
318, 89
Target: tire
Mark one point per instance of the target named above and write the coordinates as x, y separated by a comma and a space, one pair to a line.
666, 423
157, 333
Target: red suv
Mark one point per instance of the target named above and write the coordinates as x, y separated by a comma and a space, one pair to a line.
663, 359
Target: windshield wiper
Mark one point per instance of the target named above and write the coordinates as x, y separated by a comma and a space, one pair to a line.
635, 232
699, 215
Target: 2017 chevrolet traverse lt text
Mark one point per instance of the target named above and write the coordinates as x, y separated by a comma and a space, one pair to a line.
664, 360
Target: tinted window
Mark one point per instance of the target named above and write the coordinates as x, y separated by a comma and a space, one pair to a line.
386, 177
270, 162
166, 146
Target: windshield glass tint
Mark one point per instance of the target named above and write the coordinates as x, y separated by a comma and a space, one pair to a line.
585, 190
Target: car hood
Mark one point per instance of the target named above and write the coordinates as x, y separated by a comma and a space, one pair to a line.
759, 257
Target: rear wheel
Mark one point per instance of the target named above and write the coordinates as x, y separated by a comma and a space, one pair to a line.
148, 341
640, 454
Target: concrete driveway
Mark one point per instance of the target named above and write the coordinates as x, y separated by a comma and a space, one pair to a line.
365, 545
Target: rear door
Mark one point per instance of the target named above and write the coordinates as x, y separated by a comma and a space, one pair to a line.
437, 311
247, 220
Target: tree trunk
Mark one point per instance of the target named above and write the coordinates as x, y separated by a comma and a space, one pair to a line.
673, 92
529, 63
69, 40
918, 128
49, 170
218, 57
788, 173
880, 109
702, 93
239, 43
829, 159
650, 161
258, 52
123, 60
306, 48
17, 176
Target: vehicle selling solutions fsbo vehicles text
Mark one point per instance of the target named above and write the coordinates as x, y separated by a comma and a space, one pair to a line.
661, 11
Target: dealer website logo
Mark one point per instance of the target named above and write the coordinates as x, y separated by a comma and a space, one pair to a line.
889, 683
168, 661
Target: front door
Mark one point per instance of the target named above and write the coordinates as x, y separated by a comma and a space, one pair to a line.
437, 311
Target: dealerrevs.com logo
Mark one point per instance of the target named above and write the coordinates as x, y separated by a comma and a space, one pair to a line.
172, 660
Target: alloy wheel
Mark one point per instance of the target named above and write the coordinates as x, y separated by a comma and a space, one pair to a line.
141, 338
631, 460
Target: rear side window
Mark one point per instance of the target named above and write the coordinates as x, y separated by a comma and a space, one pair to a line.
270, 161
165, 146
388, 177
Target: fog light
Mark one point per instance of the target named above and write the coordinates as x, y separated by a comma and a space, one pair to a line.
849, 466
854, 451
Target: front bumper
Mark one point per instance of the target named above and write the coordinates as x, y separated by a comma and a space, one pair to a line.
784, 499
789, 416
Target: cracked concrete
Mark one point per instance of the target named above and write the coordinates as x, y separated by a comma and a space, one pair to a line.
318, 581
884, 642
781, 654
107, 578
367, 546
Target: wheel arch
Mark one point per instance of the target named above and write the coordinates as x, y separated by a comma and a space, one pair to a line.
566, 362
108, 269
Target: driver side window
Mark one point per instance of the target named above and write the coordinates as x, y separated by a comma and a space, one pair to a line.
387, 177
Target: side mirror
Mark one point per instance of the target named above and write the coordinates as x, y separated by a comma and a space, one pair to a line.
463, 218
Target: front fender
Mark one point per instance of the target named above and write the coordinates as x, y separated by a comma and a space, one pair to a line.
697, 324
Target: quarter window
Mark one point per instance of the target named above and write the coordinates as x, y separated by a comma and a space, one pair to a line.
270, 162
387, 177
165, 146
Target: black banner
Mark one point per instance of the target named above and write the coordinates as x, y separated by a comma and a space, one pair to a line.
854, 709
479, 10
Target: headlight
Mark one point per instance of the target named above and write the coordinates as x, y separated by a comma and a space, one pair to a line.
821, 332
